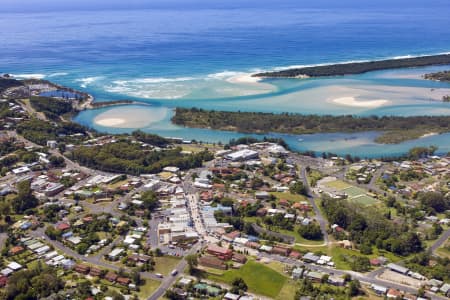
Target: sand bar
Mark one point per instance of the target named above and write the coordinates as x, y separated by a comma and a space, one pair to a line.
131, 117
351, 101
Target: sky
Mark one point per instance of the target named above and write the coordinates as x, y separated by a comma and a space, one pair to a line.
59, 5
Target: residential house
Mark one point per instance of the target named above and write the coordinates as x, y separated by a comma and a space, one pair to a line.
111, 276
123, 281
393, 294
83, 269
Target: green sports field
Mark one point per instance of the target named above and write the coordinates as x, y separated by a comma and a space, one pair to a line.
259, 278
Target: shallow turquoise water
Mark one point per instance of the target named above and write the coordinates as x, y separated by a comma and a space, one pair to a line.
188, 55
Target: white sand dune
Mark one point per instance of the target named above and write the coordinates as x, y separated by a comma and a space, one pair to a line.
351, 101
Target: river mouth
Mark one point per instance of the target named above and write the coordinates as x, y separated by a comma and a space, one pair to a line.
391, 92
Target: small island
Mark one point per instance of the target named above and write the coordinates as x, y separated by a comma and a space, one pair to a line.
395, 129
440, 76
358, 67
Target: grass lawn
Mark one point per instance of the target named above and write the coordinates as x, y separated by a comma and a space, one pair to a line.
338, 252
338, 184
194, 148
165, 264
118, 184
444, 250
364, 200
148, 288
321, 249
288, 291
277, 266
298, 237
289, 196
313, 176
259, 278
353, 191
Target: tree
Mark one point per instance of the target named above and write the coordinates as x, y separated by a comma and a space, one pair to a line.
434, 200
192, 261
136, 277
437, 229
365, 248
150, 200
25, 198
57, 161
311, 231
298, 188
158, 252
353, 288
359, 263
52, 232
238, 285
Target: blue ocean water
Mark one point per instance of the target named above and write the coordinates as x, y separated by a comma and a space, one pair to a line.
201, 55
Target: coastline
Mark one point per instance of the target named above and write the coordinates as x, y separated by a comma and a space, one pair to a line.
351, 68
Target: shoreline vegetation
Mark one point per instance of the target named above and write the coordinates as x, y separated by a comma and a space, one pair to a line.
341, 69
440, 76
394, 129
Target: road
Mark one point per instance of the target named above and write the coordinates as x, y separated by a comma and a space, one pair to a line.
69, 163
39, 233
441, 240
312, 200
169, 279
197, 219
355, 275
3, 237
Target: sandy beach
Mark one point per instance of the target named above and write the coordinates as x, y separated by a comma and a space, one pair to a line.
429, 134
131, 117
352, 101
244, 78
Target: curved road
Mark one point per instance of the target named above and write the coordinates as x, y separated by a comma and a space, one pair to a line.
312, 200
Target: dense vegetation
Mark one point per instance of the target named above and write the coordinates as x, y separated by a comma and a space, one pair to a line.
6, 83
421, 263
53, 108
397, 128
368, 227
5, 111
441, 76
7, 147
126, 157
360, 67
40, 132
149, 138
25, 199
36, 283
327, 291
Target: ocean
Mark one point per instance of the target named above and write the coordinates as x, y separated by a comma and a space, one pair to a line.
202, 56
